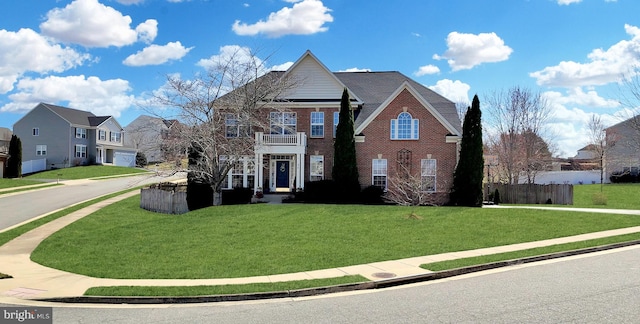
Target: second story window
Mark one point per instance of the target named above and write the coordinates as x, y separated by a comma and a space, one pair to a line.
283, 123
35, 131
81, 132
405, 127
234, 127
102, 135
115, 137
317, 124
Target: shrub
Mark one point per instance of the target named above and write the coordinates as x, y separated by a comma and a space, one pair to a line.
372, 195
141, 159
199, 195
496, 197
237, 196
623, 177
323, 191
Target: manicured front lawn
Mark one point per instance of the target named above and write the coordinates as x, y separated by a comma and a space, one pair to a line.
85, 172
123, 241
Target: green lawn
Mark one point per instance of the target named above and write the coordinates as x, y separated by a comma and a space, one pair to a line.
619, 195
14, 183
85, 172
123, 241
221, 289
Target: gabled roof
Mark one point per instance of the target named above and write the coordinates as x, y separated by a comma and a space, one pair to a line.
375, 88
76, 117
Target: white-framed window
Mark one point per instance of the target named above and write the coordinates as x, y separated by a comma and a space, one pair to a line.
379, 173
283, 123
336, 119
115, 137
35, 131
102, 135
317, 124
241, 175
41, 150
81, 132
316, 167
405, 127
80, 151
233, 126
428, 171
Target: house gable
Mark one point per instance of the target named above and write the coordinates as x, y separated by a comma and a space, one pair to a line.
314, 82
424, 103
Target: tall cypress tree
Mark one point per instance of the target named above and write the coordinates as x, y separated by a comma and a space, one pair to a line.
14, 165
467, 179
345, 169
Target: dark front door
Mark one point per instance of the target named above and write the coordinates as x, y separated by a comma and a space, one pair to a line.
282, 174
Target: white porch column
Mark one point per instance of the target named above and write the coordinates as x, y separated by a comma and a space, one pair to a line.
300, 170
258, 169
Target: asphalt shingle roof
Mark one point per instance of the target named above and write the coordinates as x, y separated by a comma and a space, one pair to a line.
77, 117
373, 88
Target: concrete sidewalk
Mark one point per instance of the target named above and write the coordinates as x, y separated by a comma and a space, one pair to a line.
33, 281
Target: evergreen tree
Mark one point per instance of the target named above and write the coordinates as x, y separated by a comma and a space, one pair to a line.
345, 169
467, 179
14, 165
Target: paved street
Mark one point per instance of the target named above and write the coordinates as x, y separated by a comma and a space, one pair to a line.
17, 208
593, 288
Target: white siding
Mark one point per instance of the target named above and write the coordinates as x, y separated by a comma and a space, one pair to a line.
314, 82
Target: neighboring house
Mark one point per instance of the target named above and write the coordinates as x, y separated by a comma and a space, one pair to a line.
399, 124
150, 135
62, 137
623, 148
5, 139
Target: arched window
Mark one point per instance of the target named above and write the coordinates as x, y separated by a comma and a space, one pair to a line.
405, 127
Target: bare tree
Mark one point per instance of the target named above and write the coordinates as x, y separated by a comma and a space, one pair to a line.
598, 141
219, 112
516, 130
408, 189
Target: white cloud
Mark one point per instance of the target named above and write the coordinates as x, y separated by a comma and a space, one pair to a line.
92, 24
455, 91
282, 67
426, 70
108, 97
148, 30
568, 2
228, 53
17, 56
304, 18
355, 69
157, 54
604, 66
466, 51
578, 97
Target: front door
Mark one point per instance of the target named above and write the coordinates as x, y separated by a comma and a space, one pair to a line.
282, 174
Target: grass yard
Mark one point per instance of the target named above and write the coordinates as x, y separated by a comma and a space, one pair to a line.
124, 241
618, 196
85, 172
15, 183
178, 291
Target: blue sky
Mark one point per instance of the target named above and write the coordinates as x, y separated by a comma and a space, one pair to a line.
105, 55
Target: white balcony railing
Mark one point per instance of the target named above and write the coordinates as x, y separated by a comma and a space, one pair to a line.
297, 139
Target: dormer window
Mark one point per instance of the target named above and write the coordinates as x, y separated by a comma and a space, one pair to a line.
405, 127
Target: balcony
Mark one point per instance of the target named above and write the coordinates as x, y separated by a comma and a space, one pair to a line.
277, 143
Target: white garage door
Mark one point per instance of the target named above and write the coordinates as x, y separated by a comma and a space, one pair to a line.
126, 159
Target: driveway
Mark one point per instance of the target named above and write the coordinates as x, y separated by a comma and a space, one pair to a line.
23, 206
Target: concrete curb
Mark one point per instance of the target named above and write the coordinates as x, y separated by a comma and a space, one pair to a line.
333, 289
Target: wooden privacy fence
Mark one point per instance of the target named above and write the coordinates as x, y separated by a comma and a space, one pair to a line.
559, 194
167, 198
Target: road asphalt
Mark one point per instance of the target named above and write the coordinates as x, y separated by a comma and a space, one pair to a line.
33, 282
